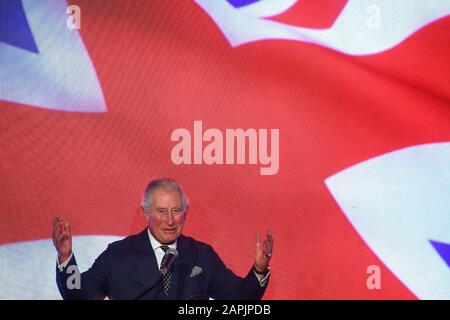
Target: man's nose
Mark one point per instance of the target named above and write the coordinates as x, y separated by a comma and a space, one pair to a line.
170, 219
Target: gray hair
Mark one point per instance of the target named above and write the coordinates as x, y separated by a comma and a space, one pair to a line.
166, 184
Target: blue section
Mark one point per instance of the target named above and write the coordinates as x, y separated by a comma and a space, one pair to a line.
14, 27
241, 3
443, 249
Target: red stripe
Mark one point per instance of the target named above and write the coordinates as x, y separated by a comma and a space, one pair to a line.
314, 14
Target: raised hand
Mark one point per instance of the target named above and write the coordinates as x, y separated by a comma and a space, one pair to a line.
62, 238
263, 251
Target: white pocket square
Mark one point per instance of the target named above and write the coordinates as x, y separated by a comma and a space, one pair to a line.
196, 271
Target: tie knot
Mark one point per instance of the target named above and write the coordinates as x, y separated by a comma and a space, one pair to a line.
165, 248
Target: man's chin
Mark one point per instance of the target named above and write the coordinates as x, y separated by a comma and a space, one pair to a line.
169, 239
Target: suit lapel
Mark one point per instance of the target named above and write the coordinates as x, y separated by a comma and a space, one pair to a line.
183, 264
147, 267
145, 263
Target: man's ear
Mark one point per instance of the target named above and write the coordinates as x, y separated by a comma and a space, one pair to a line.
145, 213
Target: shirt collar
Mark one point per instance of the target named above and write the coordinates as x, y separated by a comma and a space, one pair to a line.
155, 243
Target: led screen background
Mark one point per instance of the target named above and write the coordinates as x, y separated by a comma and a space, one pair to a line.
86, 119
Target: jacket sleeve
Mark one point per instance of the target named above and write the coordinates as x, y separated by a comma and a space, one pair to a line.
226, 285
92, 284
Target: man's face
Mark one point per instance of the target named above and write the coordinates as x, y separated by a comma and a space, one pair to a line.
165, 217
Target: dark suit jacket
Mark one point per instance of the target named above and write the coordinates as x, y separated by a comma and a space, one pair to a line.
128, 267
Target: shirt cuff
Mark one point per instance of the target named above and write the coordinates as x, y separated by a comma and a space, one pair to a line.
263, 281
61, 266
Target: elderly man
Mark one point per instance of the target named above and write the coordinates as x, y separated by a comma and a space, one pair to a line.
130, 268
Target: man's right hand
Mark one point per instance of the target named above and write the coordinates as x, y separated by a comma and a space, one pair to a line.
62, 238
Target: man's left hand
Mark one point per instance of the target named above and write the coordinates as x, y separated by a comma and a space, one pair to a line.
263, 251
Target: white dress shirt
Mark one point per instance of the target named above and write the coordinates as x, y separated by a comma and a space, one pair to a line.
159, 252
61, 266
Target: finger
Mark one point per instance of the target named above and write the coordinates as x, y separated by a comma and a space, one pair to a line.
56, 223
67, 226
63, 225
269, 244
258, 239
267, 249
60, 236
57, 229
270, 236
270, 240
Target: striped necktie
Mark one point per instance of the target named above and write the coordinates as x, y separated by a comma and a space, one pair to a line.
167, 277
